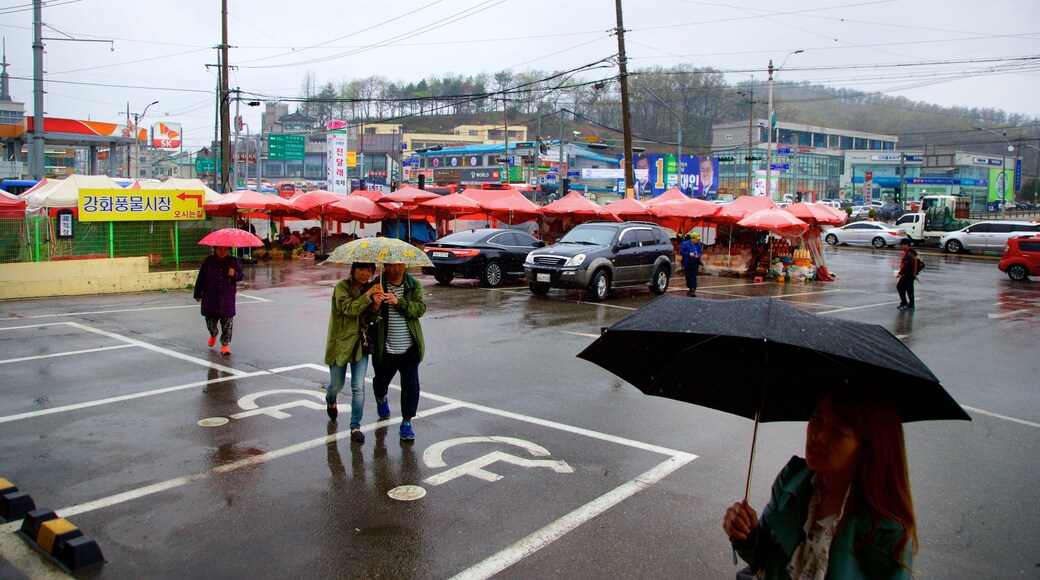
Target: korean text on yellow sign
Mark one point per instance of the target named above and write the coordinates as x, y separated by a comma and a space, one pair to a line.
124, 205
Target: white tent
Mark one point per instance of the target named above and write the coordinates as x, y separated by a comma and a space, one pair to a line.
182, 184
65, 192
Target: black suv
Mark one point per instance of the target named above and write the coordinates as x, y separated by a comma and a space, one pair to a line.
599, 255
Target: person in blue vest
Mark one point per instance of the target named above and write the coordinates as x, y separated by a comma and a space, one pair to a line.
845, 510
691, 251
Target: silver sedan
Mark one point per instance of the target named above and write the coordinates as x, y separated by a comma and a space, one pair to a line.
867, 233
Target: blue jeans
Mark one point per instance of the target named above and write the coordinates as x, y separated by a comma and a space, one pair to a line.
337, 375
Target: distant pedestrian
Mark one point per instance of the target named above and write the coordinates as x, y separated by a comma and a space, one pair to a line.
350, 341
909, 266
691, 251
215, 288
399, 344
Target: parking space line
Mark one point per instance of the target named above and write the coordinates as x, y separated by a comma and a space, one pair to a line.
557, 529
999, 416
233, 466
158, 349
69, 353
130, 397
256, 300
848, 308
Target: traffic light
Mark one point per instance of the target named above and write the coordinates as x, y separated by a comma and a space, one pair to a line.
798, 197
565, 185
752, 158
898, 194
726, 158
422, 181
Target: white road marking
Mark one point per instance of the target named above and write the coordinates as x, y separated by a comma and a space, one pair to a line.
1009, 314
554, 531
121, 398
848, 308
256, 300
230, 467
999, 416
69, 353
158, 349
584, 334
434, 454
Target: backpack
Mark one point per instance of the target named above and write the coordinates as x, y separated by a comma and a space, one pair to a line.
920, 264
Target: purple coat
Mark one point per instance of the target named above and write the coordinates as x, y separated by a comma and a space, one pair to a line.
216, 288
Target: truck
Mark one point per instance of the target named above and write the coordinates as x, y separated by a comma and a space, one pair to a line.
937, 216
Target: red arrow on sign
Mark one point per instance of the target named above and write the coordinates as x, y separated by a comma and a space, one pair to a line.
184, 196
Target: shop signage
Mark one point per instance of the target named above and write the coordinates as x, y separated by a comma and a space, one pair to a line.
64, 224
480, 175
124, 205
783, 150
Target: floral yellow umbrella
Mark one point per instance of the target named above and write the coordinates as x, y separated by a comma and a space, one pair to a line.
379, 250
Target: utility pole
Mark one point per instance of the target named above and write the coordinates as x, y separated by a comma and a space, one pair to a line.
772, 122
626, 118
225, 113
750, 100
36, 159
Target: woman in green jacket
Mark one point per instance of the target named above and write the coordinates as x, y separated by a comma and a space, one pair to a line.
351, 311
845, 510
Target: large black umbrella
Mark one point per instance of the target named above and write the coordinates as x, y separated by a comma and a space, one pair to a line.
763, 359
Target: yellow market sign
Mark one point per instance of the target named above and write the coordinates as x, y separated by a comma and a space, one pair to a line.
125, 205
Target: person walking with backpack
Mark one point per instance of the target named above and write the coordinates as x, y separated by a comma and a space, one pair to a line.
909, 267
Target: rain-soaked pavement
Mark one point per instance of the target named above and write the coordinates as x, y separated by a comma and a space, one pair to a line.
528, 462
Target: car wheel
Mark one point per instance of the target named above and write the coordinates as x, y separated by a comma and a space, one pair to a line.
954, 247
659, 284
831, 239
1017, 272
538, 288
443, 277
878, 242
491, 275
599, 287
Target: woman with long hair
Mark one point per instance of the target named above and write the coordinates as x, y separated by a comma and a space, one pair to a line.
845, 510
348, 342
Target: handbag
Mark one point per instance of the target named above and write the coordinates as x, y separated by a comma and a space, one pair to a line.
367, 331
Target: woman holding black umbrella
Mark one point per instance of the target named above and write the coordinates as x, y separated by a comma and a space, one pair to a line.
845, 510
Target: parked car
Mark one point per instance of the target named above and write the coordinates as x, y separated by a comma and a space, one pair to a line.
1021, 257
890, 212
491, 255
875, 234
985, 236
860, 212
598, 256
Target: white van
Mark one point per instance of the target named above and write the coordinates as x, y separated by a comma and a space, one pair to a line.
986, 236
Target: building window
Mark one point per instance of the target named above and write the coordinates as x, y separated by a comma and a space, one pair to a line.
472, 132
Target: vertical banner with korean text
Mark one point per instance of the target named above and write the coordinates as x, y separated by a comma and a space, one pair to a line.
337, 161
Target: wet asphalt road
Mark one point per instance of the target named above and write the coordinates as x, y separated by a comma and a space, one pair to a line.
182, 463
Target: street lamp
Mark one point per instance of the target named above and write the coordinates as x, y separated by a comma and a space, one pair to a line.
678, 121
772, 121
137, 120
1003, 161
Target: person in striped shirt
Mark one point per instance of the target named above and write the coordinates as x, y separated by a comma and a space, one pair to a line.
399, 343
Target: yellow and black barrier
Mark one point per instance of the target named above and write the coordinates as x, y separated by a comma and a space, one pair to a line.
14, 503
60, 539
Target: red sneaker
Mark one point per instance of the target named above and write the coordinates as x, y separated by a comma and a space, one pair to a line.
225, 350
212, 340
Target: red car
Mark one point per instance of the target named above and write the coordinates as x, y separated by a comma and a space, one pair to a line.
1021, 257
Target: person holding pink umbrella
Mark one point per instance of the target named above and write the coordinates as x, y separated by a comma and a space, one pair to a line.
215, 288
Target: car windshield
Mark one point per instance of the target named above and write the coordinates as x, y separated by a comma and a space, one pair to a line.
600, 236
463, 238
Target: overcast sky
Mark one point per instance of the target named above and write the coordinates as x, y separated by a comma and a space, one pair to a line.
954, 52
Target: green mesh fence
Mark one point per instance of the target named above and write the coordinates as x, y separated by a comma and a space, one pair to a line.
164, 243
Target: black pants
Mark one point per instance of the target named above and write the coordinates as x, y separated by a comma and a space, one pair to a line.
407, 364
905, 287
227, 325
691, 275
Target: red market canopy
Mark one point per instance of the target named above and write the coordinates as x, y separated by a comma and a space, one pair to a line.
742, 207
357, 208
775, 220
573, 204
818, 214
11, 206
373, 194
312, 203
673, 194
627, 209
408, 195
505, 205
683, 214
450, 206
244, 200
